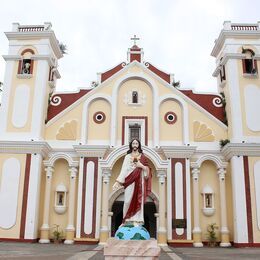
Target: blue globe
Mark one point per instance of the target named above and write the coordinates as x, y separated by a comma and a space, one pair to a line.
130, 232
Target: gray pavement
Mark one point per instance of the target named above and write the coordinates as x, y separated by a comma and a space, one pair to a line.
35, 251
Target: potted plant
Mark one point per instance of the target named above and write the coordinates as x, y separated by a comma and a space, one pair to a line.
212, 236
57, 234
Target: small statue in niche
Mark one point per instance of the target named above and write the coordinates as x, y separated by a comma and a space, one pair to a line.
60, 199
208, 201
26, 67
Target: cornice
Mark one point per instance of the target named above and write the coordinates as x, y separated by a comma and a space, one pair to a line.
12, 57
232, 34
225, 59
240, 149
91, 150
24, 147
37, 35
179, 151
43, 57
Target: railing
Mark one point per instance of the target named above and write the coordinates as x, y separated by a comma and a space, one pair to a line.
239, 27
37, 28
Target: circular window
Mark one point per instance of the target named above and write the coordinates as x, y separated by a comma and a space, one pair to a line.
170, 117
99, 117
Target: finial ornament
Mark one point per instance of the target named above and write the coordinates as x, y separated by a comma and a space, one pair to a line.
135, 39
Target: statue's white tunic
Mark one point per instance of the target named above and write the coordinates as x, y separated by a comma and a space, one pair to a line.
127, 167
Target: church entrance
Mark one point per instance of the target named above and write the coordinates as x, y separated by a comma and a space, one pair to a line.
149, 216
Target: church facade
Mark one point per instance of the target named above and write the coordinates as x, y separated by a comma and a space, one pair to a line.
61, 152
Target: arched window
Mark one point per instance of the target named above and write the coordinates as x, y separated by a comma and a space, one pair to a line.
134, 97
26, 63
249, 63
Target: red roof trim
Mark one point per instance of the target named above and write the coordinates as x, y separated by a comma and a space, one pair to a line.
59, 102
110, 73
207, 101
158, 72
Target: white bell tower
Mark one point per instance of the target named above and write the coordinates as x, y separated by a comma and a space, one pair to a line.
30, 77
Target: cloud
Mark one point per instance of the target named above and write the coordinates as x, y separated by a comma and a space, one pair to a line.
177, 36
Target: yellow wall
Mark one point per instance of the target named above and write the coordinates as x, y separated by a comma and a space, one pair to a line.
243, 82
60, 175
14, 232
15, 83
195, 115
208, 176
171, 132
74, 114
143, 110
99, 131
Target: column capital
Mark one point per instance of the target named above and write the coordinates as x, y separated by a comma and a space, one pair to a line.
73, 172
161, 174
106, 174
222, 173
195, 173
49, 170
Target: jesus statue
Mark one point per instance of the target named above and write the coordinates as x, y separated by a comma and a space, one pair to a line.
135, 177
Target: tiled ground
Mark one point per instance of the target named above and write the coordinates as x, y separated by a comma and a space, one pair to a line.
77, 252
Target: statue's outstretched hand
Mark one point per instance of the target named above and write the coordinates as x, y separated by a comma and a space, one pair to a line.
116, 186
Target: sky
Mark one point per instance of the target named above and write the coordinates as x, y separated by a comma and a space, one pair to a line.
177, 36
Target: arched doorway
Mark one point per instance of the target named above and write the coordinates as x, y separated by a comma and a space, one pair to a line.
150, 208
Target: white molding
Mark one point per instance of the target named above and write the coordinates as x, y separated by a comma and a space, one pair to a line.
188, 199
38, 36
85, 112
32, 212
24, 147
91, 150
225, 34
209, 157
79, 199
235, 104
89, 197
239, 200
179, 151
61, 155
12, 57
140, 122
185, 114
226, 57
240, 149
150, 82
151, 154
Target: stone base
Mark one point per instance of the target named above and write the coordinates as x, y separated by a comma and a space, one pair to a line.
131, 249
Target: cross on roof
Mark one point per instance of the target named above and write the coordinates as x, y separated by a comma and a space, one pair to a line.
135, 39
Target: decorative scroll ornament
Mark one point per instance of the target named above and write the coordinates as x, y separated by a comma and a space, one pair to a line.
55, 101
123, 64
217, 102
202, 133
68, 131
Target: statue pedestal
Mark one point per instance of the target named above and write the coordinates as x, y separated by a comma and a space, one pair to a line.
131, 249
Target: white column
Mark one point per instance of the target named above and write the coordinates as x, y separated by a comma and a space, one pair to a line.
223, 210
239, 200
70, 228
161, 232
46, 211
196, 209
104, 230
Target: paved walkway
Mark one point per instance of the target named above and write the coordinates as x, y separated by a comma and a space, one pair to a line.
37, 251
